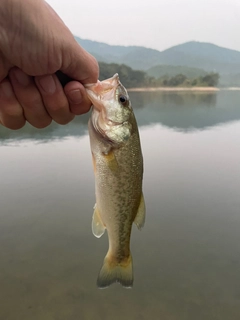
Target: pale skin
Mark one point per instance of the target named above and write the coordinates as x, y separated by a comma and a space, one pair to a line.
34, 44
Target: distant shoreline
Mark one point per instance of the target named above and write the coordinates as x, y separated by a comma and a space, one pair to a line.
199, 89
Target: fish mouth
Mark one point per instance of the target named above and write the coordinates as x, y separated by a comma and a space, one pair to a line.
104, 85
102, 90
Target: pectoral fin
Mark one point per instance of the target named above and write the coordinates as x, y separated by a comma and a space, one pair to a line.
140, 217
98, 228
111, 160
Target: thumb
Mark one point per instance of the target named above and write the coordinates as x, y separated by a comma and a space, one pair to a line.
79, 64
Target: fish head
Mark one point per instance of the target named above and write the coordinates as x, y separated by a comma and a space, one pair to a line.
112, 109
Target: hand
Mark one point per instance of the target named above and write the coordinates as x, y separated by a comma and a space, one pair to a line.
34, 44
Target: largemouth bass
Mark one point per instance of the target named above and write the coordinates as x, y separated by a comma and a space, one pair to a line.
118, 168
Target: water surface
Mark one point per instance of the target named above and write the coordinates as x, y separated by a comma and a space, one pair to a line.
187, 257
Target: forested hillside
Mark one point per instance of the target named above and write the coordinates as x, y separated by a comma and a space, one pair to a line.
136, 78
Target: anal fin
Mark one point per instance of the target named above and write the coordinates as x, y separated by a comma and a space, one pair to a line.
140, 217
98, 227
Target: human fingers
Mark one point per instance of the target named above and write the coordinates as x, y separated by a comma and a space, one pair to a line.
11, 112
54, 98
29, 98
5, 66
76, 94
79, 64
77, 97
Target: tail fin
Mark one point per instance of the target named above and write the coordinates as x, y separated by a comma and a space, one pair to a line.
115, 272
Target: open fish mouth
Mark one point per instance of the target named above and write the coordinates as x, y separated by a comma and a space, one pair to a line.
105, 85
106, 89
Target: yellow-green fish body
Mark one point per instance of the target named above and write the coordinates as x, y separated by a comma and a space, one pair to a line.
118, 167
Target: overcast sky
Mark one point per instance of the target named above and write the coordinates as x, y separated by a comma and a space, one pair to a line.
157, 24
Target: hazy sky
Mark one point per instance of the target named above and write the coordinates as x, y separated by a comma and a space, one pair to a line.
157, 24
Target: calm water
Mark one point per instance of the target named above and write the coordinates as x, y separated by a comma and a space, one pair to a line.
187, 257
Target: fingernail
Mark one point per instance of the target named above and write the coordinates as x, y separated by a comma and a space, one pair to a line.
21, 77
47, 83
6, 89
75, 96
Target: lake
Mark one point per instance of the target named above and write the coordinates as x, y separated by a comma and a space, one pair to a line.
187, 257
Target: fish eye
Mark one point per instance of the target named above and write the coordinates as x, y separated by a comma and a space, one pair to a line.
123, 99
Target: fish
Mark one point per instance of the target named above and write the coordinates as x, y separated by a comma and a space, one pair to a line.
118, 168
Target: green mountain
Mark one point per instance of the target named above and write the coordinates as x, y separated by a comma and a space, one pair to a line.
202, 55
139, 58
171, 71
193, 54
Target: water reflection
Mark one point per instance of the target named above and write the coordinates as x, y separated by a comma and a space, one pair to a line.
77, 128
180, 110
186, 259
169, 98
187, 111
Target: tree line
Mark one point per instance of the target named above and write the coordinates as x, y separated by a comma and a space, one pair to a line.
136, 78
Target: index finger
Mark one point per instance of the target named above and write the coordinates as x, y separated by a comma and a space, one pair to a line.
81, 65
